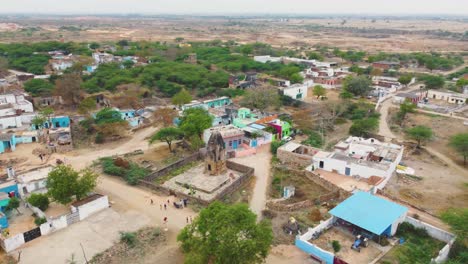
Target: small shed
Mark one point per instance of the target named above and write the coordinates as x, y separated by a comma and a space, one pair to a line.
374, 214
289, 191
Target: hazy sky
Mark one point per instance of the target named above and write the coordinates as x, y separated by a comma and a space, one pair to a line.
311, 7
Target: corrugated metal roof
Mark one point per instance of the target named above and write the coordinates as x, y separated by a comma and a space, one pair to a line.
369, 212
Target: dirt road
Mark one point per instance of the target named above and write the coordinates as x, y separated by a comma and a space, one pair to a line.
261, 162
84, 157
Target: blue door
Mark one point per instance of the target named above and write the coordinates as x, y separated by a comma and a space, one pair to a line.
234, 144
348, 171
254, 143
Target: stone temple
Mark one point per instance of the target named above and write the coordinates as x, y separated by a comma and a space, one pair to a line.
215, 161
212, 179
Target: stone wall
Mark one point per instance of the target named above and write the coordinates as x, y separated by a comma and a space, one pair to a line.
297, 159
280, 206
246, 174
335, 191
159, 173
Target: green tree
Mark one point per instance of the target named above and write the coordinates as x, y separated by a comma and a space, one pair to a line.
226, 234
94, 45
459, 143
457, 218
86, 183
405, 79
127, 64
261, 98
194, 121
181, 98
462, 82
14, 203
419, 133
433, 82
39, 200
108, 115
167, 134
38, 121
319, 91
364, 127
405, 108
315, 56
38, 87
296, 78
87, 105
359, 86
47, 113
64, 183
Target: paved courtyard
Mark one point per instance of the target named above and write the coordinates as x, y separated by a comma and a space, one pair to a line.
95, 234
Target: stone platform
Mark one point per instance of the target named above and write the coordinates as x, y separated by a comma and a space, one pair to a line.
207, 187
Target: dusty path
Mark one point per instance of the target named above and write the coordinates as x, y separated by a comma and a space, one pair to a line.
84, 157
261, 162
384, 130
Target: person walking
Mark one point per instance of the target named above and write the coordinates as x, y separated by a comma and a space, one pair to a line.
165, 207
187, 219
165, 220
152, 201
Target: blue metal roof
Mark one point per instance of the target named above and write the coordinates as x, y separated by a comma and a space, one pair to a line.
369, 212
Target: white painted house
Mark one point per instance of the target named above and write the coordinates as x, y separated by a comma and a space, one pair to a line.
33, 181
17, 101
360, 157
449, 96
15, 111
297, 91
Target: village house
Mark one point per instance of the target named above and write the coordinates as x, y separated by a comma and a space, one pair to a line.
7, 142
15, 110
297, 91
386, 65
232, 137
361, 221
360, 157
448, 96
33, 181
296, 154
104, 57
413, 97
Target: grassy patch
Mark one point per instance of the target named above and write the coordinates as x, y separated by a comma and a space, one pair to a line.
176, 172
130, 171
305, 188
133, 247
419, 247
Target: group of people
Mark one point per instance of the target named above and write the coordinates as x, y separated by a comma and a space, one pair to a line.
182, 202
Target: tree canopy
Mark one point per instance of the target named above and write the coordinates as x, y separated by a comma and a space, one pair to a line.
181, 98
319, 91
459, 143
38, 87
167, 134
433, 81
64, 183
405, 79
364, 127
358, 86
108, 115
419, 133
261, 98
226, 234
194, 121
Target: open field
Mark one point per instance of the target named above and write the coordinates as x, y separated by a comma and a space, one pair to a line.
379, 34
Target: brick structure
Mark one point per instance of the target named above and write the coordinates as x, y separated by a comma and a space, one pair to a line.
215, 161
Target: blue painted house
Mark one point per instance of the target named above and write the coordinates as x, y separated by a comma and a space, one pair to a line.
218, 102
7, 142
7, 189
56, 122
